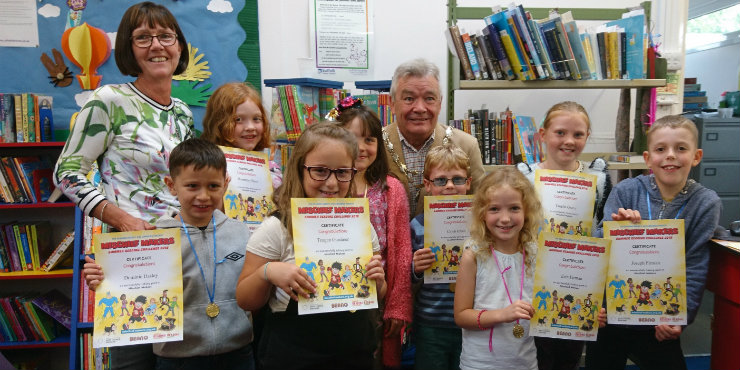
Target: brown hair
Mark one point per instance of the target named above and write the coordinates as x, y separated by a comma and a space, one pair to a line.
446, 157
506, 176
566, 107
218, 123
292, 186
198, 153
379, 169
153, 15
674, 122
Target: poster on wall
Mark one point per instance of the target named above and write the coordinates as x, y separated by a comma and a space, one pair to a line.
18, 24
341, 38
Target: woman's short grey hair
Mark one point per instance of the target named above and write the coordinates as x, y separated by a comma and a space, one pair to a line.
419, 67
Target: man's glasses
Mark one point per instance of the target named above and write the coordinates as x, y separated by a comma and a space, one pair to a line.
321, 173
442, 181
145, 41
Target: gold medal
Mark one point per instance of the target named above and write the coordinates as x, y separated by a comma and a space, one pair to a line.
212, 310
518, 331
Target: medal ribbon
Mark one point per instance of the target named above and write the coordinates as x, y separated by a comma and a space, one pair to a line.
506, 286
211, 293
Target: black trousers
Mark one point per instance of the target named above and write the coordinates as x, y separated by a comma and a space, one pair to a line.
618, 343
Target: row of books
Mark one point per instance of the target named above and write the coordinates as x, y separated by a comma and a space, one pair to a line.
87, 302
28, 247
34, 317
694, 98
93, 358
503, 138
25, 179
294, 107
26, 118
381, 104
512, 45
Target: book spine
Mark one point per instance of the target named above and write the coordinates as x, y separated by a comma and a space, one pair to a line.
539, 44
18, 107
519, 70
601, 40
498, 49
24, 176
5, 184
526, 58
22, 239
491, 64
46, 118
37, 118
523, 30
557, 53
13, 318
34, 245
484, 71
24, 320
4, 255
588, 50
24, 112
15, 258
59, 251
613, 51
299, 106
6, 325
3, 119
623, 53
568, 52
576, 46
474, 66
15, 181
31, 118
9, 129
462, 55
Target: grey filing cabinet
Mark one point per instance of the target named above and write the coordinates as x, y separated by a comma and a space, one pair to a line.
719, 170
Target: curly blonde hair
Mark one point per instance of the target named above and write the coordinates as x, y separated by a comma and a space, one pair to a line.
479, 233
219, 123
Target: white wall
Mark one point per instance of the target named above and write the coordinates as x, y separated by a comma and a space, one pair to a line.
716, 70
407, 29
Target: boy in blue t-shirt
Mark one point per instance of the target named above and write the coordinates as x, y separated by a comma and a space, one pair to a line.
438, 339
672, 152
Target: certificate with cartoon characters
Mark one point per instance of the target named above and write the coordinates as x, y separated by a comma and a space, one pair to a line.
567, 200
140, 299
569, 286
646, 284
332, 238
446, 226
249, 195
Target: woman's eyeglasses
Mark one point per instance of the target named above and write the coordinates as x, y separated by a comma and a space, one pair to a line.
442, 181
321, 173
145, 41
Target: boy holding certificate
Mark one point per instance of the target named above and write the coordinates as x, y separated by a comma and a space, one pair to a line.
216, 331
438, 338
668, 193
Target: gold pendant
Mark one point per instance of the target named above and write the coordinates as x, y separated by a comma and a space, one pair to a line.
212, 310
518, 331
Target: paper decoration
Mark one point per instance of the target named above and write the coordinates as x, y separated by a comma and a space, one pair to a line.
88, 48
59, 74
197, 70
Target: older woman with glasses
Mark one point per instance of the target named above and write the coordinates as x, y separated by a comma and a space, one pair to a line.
130, 129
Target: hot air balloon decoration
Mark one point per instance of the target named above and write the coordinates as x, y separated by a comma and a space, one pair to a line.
88, 48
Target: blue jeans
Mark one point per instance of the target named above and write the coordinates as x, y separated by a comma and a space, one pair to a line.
240, 359
437, 348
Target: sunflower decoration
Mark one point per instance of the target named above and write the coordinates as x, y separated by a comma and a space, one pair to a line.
197, 70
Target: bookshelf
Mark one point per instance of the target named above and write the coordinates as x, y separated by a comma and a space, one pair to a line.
25, 282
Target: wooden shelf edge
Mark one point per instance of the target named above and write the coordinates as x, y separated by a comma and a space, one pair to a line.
53, 274
558, 84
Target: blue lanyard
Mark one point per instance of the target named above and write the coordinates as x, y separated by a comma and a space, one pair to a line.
211, 293
650, 211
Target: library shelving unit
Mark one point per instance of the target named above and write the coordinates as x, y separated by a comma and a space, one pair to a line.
454, 83
59, 216
77, 327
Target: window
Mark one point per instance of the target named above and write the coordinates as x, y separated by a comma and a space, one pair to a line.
714, 29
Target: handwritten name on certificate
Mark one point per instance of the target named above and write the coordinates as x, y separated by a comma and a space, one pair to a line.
332, 238
646, 284
249, 195
567, 200
446, 226
569, 286
140, 299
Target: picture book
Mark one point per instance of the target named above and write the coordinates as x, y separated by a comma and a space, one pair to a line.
528, 138
647, 272
332, 238
446, 227
57, 305
569, 286
143, 280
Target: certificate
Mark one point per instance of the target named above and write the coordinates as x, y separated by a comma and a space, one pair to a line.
140, 299
567, 200
569, 286
249, 195
332, 238
646, 284
446, 226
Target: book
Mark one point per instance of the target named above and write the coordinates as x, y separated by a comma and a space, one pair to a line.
539, 42
520, 22
634, 27
56, 305
31, 107
24, 249
474, 66
516, 65
8, 134
484, 71
45, 118
13, 319
517, 39
601, 41
494, 38
489, 58
18, 107
571, 29
14, 181
9, 239
555, 49
62, 249
462, 54
514, 54
528, 139
42, 245
4, 257
564, 42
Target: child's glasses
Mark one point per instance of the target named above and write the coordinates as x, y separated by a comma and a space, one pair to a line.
442, 181
321, 173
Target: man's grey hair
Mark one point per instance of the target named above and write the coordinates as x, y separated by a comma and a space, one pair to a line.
419, 67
